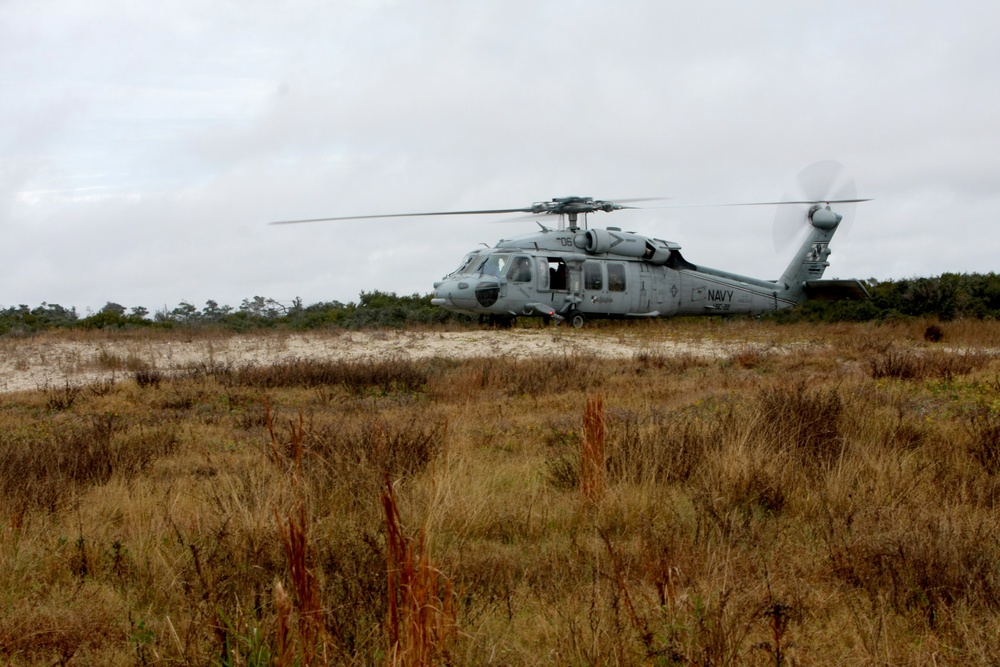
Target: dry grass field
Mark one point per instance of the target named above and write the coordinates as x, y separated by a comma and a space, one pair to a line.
688, 493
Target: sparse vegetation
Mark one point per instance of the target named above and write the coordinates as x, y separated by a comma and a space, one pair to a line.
820, 495
947, 298
372, 310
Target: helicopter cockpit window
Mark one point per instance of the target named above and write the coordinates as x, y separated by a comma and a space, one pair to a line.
616, 277
592, 278
494, 265
543, 272
466, 261
520, 270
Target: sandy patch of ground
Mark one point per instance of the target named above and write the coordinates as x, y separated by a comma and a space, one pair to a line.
35, 363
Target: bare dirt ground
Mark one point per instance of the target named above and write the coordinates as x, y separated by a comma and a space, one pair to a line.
52, 361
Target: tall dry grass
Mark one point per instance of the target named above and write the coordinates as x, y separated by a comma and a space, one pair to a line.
786, 502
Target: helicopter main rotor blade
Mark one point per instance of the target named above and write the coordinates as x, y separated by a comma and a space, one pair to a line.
783, 202
636, 199
404, 215
803, 201
557, 206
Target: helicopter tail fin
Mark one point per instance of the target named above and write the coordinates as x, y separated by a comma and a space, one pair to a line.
810, 261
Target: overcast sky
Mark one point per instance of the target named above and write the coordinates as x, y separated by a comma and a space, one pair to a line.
145, 146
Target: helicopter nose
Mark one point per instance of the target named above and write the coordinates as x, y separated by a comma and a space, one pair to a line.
454, 293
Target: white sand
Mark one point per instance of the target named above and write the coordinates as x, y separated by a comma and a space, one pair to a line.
34, 363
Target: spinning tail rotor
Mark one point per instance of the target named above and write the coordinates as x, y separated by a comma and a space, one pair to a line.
823, 195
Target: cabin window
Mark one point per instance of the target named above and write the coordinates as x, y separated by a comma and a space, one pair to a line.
616, 277
520, 270
592, 276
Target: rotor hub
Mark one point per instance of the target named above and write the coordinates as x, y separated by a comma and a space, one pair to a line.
824, 218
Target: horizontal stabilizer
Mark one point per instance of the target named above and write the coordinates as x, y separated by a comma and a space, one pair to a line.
836, 290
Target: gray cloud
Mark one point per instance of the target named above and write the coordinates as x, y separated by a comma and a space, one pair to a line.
143, 149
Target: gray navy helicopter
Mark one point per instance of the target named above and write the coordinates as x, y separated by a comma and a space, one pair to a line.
573, 273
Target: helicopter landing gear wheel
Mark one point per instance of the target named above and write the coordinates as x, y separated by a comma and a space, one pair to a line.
576, 319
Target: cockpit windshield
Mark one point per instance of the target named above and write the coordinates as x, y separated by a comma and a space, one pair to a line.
464, 266
494, 265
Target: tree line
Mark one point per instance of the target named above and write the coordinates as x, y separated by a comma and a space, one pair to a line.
945, 297
374, 309
949, 296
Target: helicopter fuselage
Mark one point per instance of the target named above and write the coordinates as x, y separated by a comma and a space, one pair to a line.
576, 274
